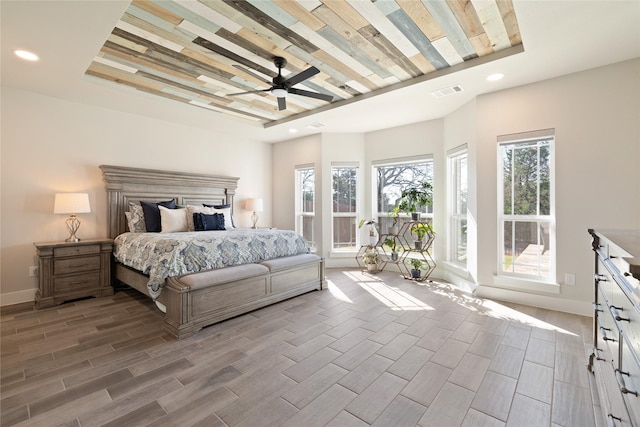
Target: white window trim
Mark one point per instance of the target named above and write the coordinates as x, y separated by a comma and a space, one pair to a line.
346, 251
451, 196
520, 281
298, 208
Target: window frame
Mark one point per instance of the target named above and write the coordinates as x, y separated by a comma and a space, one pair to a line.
550, 218
454, 214
353, 214
300, 214
383, 217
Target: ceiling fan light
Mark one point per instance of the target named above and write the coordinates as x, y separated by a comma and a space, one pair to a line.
279, 93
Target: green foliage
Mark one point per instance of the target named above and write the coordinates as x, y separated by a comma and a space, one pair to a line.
391, 243
421, 229
416, 196
415, 263
371, 257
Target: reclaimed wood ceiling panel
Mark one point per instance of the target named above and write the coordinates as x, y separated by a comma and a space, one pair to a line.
198, 52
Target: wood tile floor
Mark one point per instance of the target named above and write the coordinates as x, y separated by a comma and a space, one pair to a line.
371, 350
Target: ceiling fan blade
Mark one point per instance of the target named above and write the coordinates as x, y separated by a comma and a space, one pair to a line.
303, 75
311, 94
282, 104
251, 73
251, 91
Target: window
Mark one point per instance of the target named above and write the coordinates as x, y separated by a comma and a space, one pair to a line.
344, 201
457, 163
394, 176
305, 203
526, 205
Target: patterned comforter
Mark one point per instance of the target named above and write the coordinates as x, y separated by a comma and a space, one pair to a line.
162, 255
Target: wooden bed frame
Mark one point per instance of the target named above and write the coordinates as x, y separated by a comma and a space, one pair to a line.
200, 299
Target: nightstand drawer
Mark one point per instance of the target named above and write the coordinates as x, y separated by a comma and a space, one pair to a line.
74, 265
76, 250
77, 282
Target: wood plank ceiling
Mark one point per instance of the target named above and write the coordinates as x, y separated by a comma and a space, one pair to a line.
199, 52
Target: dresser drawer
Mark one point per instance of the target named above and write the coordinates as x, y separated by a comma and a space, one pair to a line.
77, 282
608, 338
75, 265
604, 280
628, 318
629, 380
76, 250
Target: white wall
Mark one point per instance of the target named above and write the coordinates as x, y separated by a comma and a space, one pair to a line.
50, 146
596, 116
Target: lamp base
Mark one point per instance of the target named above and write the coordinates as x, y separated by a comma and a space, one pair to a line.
73, 224
254, 219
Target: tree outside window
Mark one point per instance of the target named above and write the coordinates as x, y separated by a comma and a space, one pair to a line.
526, 208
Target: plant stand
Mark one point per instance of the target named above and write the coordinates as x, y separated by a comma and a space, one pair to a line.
368, 249
406, 238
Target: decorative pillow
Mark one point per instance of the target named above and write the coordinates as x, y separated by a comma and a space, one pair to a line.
151, 212
135, 219
172, 220
203, 222
196, 209
226, 211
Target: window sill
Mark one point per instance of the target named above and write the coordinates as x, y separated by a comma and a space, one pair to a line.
343, 254
526, 285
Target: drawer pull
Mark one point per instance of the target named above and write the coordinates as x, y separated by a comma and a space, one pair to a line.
600, 277
602, 328
605, 338
623, 387
611, 418
616, 315
595, 306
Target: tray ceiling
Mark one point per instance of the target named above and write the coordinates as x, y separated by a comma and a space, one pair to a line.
199, 52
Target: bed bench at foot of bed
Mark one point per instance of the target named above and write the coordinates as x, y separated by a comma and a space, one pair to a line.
197, 300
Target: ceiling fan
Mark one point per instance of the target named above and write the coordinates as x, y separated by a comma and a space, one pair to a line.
281, 86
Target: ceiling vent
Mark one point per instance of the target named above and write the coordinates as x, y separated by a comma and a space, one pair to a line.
446, 91
316, 125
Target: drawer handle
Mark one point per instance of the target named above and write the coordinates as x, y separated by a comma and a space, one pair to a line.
616, 315
605, 338
600, 277
595, 306
623, 387
612, 418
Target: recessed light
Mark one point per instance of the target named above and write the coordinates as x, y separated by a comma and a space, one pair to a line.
495, 77
293, 130
26, 55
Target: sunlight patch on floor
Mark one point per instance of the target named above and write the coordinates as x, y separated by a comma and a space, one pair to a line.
393, 297
337, 292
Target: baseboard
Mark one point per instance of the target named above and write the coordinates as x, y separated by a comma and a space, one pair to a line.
20, 297
583, 308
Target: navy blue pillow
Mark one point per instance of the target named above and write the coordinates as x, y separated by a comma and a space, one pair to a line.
220, 207
151, 214
204, 222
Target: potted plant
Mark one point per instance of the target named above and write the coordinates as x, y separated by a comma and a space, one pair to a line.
394, 213
371, 223
371, 259
391, 243
415, 197
420, 229
416, 264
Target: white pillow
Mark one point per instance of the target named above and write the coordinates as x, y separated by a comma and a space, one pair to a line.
196, 209
228, 221
173, 220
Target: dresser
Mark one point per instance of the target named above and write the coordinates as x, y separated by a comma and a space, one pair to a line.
70, 270
615, 360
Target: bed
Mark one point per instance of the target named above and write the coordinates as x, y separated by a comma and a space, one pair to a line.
214, 289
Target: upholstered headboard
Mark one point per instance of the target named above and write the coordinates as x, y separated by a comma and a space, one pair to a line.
125, 185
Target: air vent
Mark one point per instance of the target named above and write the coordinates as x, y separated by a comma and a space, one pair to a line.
447, 91
316, 125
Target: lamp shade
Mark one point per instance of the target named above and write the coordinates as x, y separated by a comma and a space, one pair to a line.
254, 205
71, 203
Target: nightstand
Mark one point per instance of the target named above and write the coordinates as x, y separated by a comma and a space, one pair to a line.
73, 270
